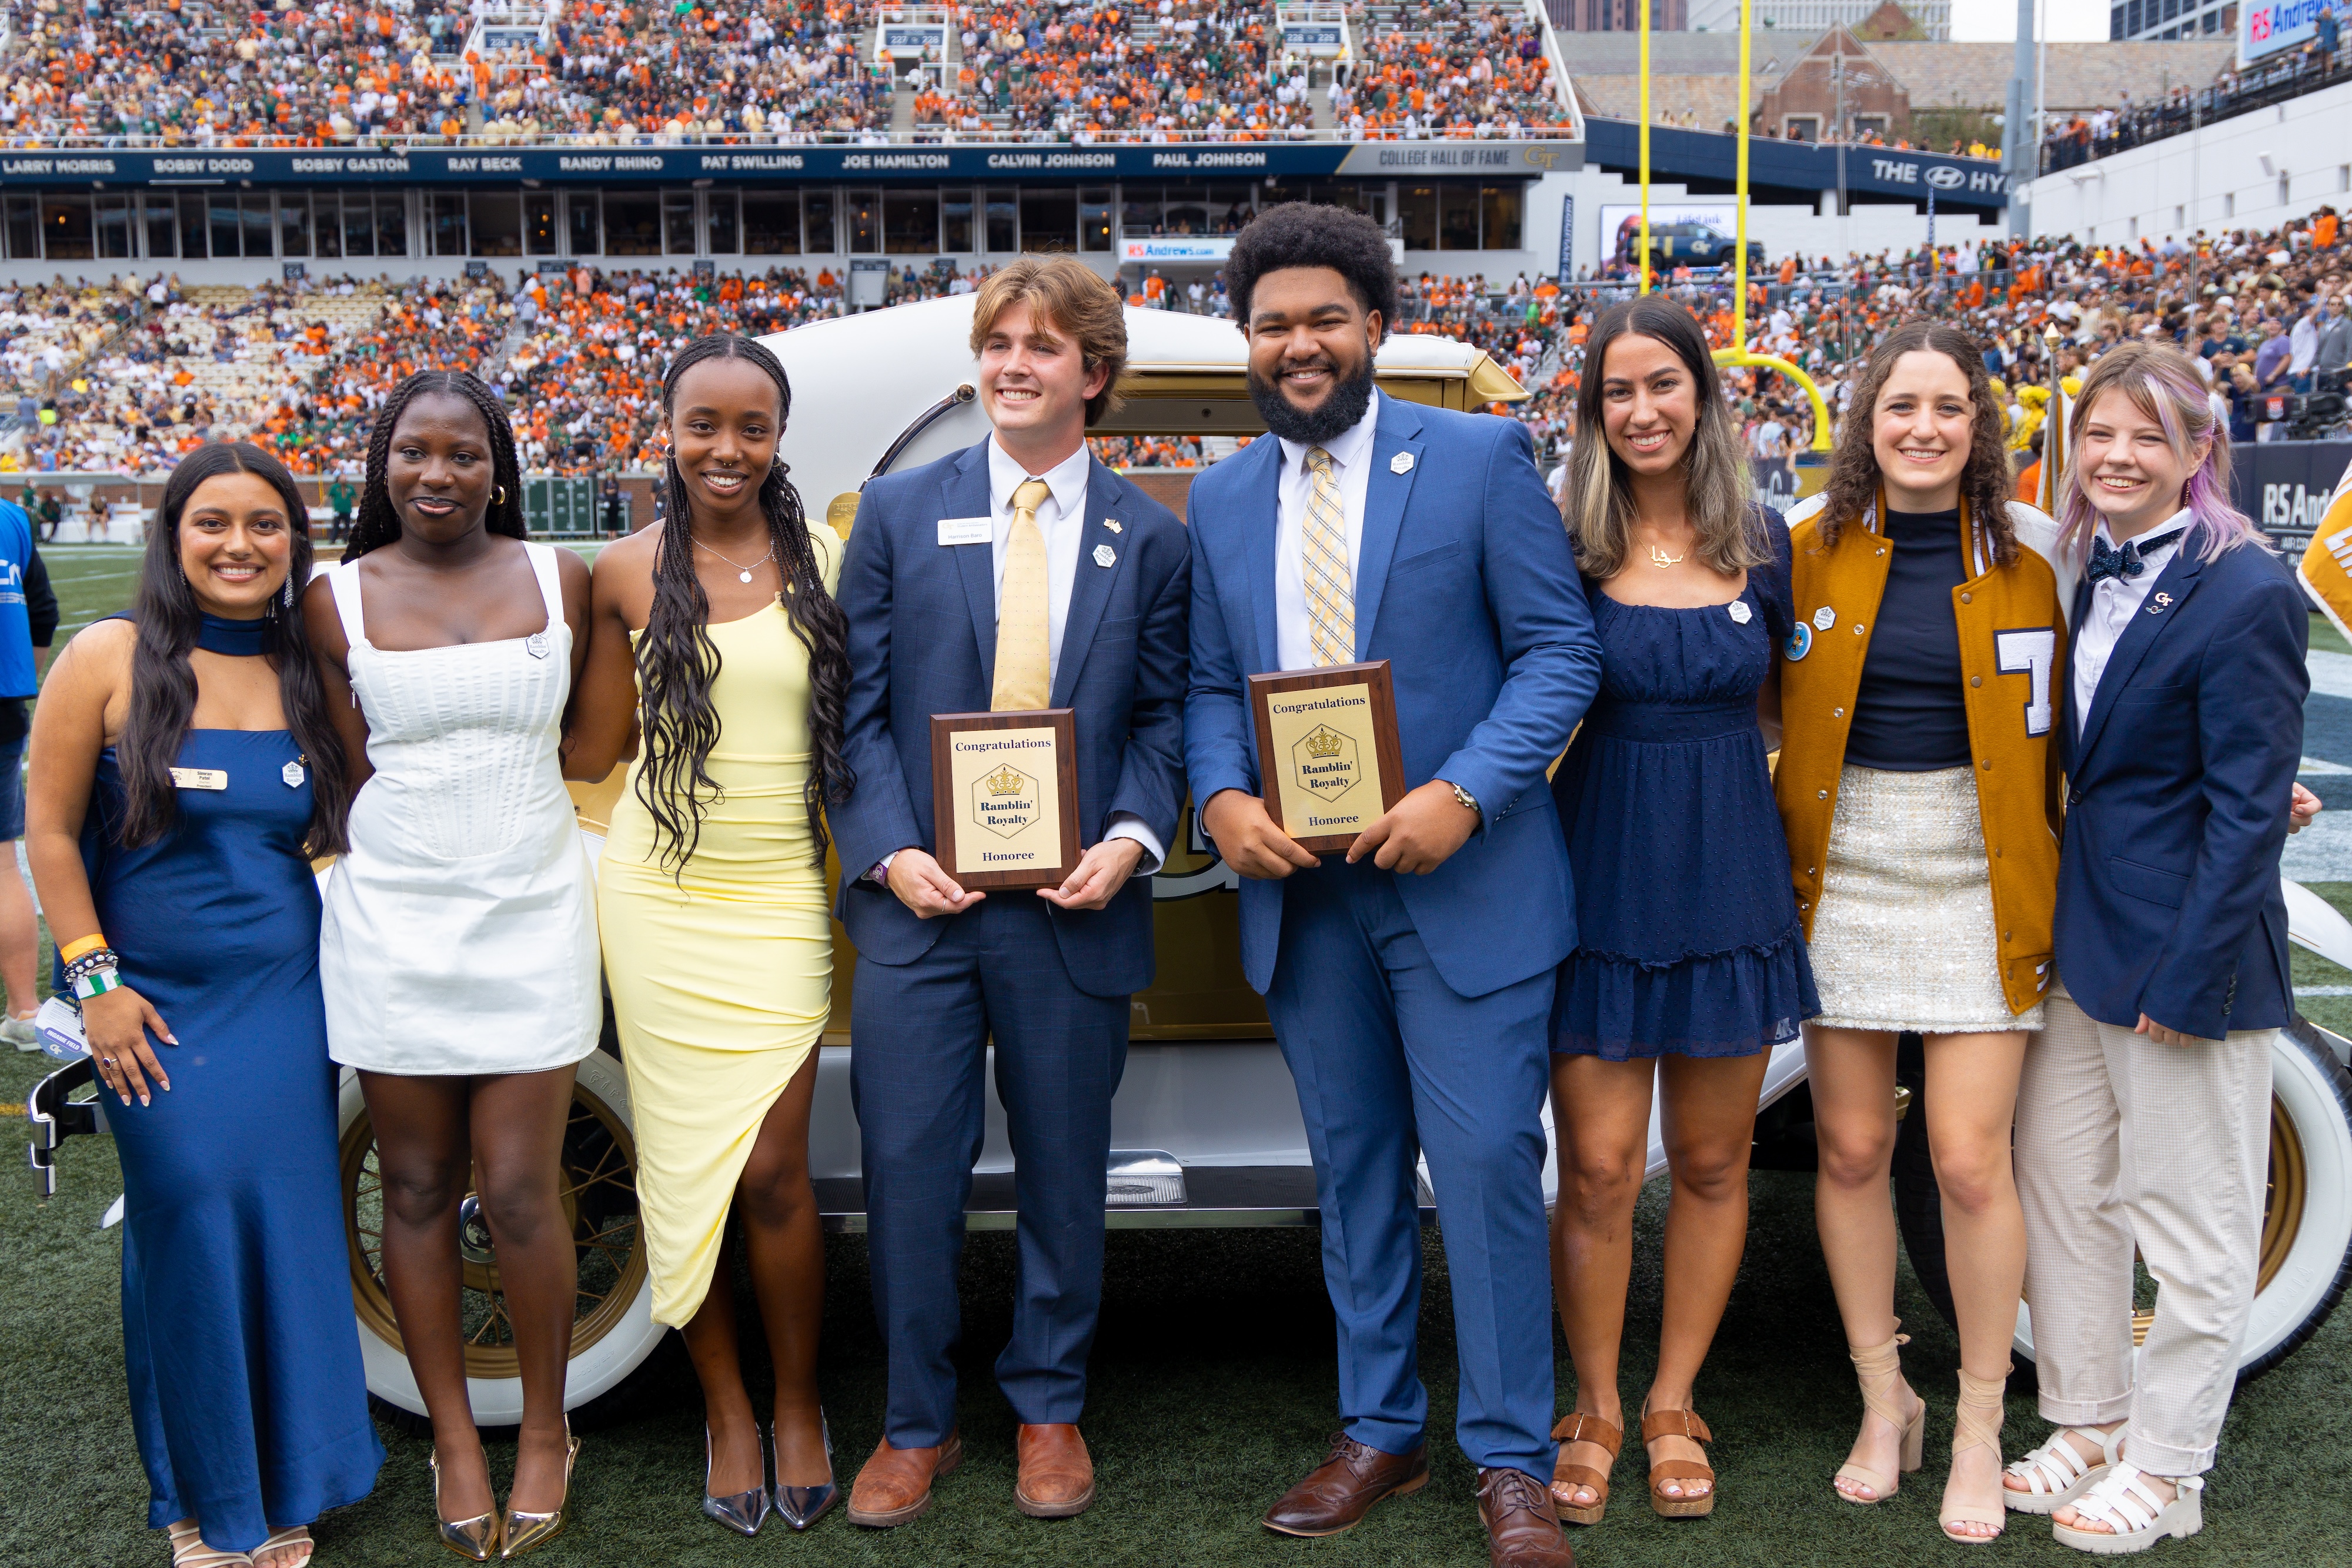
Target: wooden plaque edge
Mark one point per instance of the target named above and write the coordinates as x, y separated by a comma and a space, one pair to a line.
1064, 723
1389, 749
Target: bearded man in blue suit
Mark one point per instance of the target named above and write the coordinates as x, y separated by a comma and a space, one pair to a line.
1410, 982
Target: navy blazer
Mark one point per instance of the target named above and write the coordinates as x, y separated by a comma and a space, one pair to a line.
1467, 586
923, 640
2169, 899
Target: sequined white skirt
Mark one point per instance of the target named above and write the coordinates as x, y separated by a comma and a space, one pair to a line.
1904, 937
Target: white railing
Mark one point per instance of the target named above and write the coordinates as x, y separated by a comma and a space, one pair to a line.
1570, 114
498, 28
923, 35
1320, 29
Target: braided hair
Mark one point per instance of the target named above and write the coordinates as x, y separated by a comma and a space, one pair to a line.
678, 661
377, 523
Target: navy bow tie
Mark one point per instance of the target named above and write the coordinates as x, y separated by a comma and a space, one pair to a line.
2125, 560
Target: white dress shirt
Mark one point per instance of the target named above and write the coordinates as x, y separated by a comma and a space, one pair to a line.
1062, 519
1351, 464
2113, 602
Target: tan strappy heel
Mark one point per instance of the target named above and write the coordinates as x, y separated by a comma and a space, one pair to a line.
1657, 1423
1579, 1427
1976, 1423
1879, 1369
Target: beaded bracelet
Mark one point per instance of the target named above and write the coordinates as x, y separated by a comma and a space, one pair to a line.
94, 959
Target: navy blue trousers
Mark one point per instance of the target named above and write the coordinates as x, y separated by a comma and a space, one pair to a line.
1389, 1062
919, 1039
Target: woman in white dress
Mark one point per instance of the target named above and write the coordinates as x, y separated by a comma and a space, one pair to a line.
458, 949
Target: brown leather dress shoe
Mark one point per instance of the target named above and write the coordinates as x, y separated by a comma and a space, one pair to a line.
896, 1484
1339, 1492
1522, 1527
1057, 1477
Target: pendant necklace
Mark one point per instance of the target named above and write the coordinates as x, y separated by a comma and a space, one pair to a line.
743, 573
1662, 560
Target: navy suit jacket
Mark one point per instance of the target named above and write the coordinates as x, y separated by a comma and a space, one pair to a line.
1467, 586
923, 640
2169, 899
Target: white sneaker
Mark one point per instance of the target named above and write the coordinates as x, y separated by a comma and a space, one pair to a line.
20, 1032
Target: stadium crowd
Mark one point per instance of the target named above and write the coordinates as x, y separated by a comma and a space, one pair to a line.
124, 378
206, 73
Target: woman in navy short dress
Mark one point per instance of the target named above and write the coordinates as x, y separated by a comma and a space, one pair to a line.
1690, 964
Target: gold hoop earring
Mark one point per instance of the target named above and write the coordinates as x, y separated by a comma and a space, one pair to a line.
497, 495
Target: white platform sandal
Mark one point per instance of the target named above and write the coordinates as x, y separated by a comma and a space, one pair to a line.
2128, 1506
2055, 1474
189, 1551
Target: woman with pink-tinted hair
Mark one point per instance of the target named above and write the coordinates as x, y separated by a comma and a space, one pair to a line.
2143, 1114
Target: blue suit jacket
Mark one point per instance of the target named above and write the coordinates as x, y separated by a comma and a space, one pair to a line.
1467, 586
923, 640
2169, 899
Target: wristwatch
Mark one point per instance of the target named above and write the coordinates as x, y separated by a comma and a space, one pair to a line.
1466, 798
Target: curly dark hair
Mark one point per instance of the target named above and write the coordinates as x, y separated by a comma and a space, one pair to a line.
678, 661
378, 524
1985, 482
164, 682
1308, 233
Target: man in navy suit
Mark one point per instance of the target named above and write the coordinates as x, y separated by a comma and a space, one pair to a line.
1410, 982
1015, 575
2143, 1115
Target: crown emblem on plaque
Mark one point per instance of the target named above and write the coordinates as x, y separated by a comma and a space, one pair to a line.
1323, 741
1006, 781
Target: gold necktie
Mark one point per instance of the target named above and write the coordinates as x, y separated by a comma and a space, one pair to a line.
1024, 682
1330, 589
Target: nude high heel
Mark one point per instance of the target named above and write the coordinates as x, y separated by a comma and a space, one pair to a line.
1976, 1423
1879, 1369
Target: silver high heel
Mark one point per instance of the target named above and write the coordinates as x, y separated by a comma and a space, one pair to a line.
743, 1512
800, 1507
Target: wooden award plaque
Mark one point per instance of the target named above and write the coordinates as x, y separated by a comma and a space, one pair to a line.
1328, 757
1004, 797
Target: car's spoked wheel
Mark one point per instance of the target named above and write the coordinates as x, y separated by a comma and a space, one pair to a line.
612, 1327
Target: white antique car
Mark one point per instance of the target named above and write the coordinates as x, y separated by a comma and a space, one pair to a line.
1206, 1126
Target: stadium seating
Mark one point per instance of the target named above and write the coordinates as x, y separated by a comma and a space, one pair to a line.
115, 385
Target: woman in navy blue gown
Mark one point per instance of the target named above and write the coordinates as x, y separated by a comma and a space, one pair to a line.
1690, 964
185, 771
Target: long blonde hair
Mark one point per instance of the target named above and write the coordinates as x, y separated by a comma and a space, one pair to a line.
1719, 489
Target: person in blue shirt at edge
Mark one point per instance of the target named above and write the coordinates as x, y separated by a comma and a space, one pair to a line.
2143, 1114
1410, 982
29, 619
1018, 574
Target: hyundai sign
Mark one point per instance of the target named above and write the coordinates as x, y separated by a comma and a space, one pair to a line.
2265, 29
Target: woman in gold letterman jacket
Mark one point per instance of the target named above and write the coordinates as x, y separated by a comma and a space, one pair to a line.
1916, 783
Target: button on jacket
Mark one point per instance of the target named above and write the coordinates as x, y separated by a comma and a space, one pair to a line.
2013, 629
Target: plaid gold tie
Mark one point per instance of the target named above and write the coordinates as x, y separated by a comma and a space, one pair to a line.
1330, 589
1022, 681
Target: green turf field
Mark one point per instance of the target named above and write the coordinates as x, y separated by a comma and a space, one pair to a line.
1214, 1389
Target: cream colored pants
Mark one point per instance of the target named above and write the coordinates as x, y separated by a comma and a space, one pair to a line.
2121, 1141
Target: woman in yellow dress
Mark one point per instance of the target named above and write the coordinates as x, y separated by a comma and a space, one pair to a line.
718, 651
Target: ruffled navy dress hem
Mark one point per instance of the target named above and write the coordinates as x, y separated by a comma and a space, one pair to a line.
1622, 1009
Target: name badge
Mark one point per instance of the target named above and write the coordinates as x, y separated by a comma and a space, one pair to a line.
199, 778
967, 530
